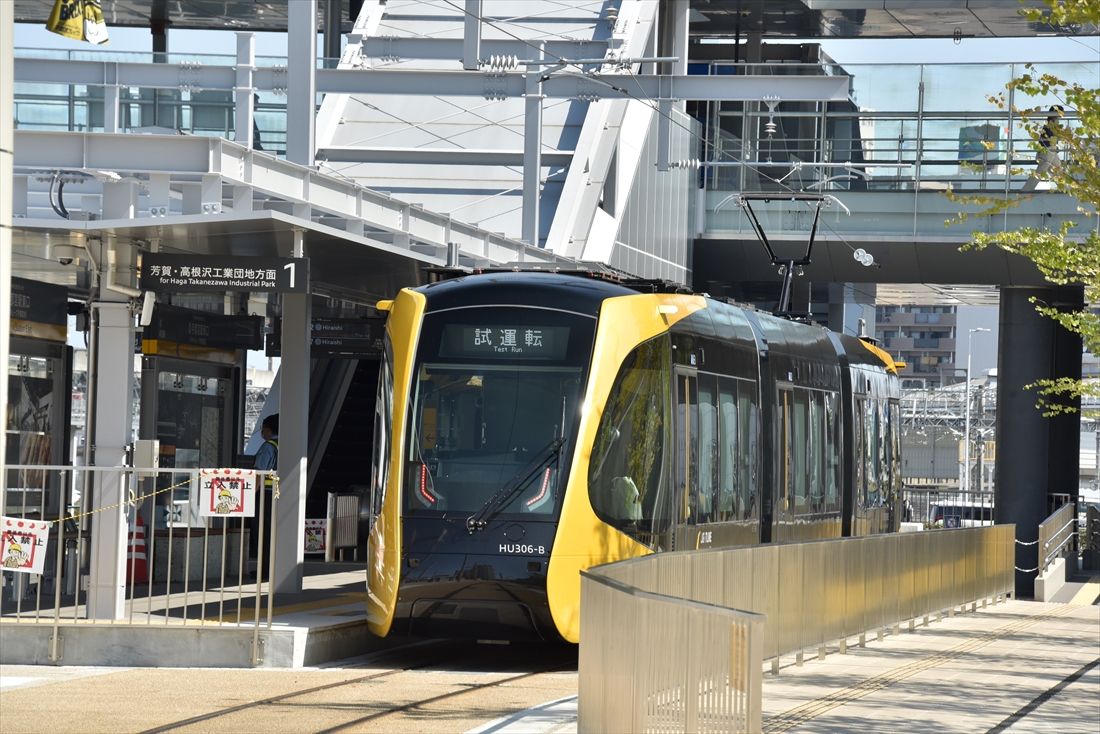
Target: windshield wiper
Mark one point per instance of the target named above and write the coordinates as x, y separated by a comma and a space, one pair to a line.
480, 519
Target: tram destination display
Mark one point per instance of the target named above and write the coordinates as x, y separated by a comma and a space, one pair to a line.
504, 341
201, 273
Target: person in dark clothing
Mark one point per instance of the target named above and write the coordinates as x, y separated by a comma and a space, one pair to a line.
267, 459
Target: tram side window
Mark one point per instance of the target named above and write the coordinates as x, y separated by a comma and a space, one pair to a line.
895, 448
785, 457
871, 448
708, 448
686, 471
748, 441
833, 450
859, 456
893, 427
800, 470
729, 507
817, 450
885, 458
625, 476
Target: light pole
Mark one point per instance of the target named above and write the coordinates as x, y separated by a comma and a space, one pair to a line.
966, 430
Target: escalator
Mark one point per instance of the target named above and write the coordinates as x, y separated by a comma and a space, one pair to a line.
341, 426
341, 432
340, 452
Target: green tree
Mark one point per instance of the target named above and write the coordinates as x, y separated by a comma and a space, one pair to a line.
1067, 255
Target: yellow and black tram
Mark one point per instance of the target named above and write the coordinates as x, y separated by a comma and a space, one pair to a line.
531, 425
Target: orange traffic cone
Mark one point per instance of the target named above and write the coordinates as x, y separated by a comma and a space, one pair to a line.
136, 570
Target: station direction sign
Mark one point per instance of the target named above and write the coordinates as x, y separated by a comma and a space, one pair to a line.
172, 325
161, 273
336, 338
39, 310
360, 338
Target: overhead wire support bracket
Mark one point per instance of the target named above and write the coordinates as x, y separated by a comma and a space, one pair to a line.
787, 266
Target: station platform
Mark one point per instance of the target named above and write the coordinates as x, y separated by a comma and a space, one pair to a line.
1018, 666
323, 622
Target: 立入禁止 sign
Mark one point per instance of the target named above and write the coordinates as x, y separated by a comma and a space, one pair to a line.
23, 544
227, 492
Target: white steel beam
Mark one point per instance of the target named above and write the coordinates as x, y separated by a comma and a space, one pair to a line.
562, 85
600, 138
471, 37
124, 74
532, 153
592, 87
333, 105
301, 100
243, 94
191, 161
391, 48
111, 112
439, 156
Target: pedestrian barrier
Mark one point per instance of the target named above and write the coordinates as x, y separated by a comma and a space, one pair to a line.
655, 663
188, 566
674, 641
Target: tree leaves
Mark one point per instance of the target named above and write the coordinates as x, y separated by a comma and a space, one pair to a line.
1066, 255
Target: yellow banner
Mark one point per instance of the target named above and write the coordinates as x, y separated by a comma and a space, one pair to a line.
67, 19
80, 20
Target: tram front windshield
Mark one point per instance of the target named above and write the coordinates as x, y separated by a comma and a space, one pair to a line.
495, 403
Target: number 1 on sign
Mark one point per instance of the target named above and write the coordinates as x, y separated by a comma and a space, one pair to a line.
290, 267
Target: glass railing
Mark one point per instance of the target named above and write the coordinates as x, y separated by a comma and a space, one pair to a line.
141, 57
904, 130
79, 108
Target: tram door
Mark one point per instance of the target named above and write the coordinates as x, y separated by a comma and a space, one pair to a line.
192, 408
39, 398
685, 483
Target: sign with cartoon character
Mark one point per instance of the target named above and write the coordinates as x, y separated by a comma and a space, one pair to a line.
315, 535
227, 492
23, 544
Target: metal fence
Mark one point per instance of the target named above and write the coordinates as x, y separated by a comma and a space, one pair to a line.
939, 508
181, 567
812, 595
702, 673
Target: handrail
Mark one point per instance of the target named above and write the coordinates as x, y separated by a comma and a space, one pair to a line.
1055, 534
